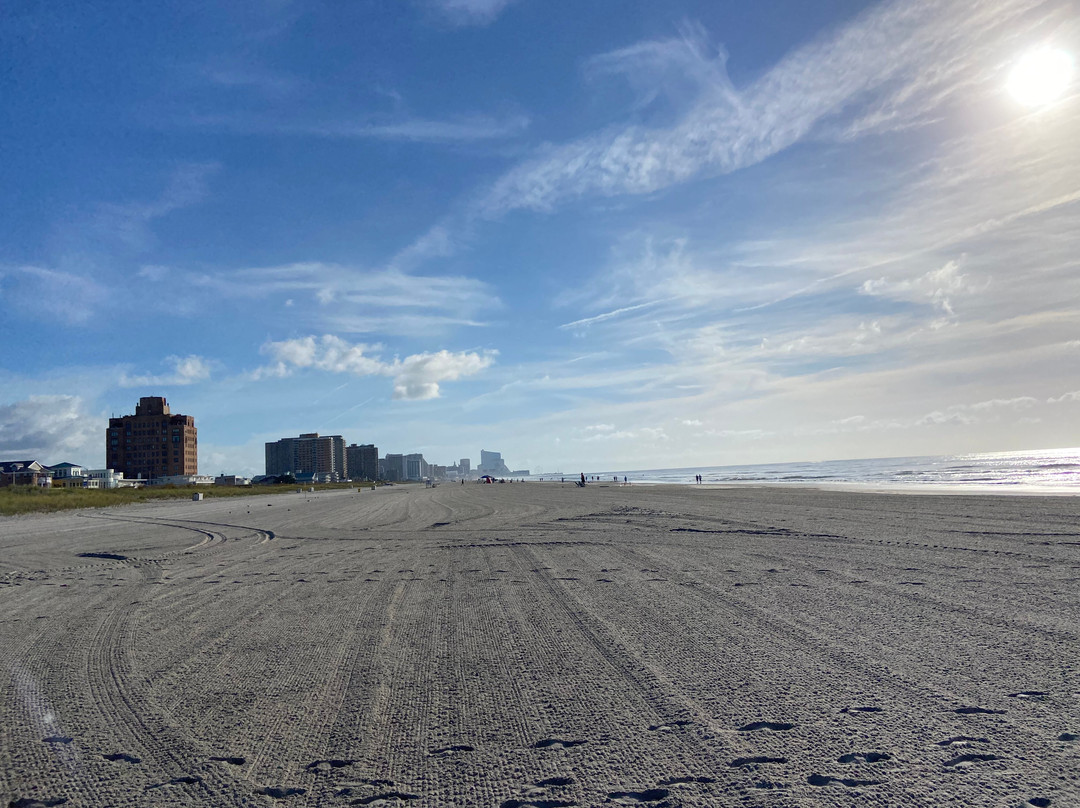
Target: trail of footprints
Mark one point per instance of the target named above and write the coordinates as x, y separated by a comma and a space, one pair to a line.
751, 763
559, 791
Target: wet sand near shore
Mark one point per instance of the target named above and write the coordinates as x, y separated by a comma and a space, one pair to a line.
544, 645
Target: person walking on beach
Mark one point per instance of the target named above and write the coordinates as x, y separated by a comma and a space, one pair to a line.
583, 478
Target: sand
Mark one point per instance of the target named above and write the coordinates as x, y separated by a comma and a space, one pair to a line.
544, 645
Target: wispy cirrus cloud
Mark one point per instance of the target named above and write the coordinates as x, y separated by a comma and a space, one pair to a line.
32, 291
416, 377
471, 12
935, 287
110, 226
968, 414
880, 71
350, 298
607, 432
461, 129
1064, 398
74, 282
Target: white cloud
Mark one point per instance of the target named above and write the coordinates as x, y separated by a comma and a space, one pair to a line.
1064, 397
748, 434
329, 353
49, 428
185, 370
1018, 403
358, 300
416, 377
608, 315
675, 70
127, 224
937, 417
852, 420
606, 432
464, 129
892, 51
75, 286
967, 414
471, 12
936, 287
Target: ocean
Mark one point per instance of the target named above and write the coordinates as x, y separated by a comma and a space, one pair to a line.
1043, 471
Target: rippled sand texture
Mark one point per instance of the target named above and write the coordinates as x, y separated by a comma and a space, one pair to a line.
544, 645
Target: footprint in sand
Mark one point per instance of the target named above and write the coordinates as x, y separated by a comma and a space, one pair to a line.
232, 761
964, 761
123, 757
864, 757
962, 741
281, 792
824, 780
638, 797
772, 726
755, 761
556, 743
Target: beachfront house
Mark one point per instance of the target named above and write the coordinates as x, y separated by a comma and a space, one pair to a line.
107, 478
70, 475
25, 472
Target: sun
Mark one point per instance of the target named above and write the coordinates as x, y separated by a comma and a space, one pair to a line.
1040, 77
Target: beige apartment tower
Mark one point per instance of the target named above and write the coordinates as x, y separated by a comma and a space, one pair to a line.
323, 456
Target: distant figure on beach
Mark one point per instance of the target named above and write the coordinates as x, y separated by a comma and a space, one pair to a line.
583, 478
624, 480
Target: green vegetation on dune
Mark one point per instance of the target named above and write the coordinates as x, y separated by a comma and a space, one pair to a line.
28, 499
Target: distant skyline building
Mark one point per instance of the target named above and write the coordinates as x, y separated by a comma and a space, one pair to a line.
310, 453
362, 461
492, 463
416, 468
153, 442
392, 468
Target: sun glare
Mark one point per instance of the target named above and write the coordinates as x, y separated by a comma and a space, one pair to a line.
1040, 77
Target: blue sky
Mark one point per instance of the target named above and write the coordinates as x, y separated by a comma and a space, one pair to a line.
588, 235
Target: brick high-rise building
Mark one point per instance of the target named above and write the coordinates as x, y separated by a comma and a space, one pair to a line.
308, 454
153, 442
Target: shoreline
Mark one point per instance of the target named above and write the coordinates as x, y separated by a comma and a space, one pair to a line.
943, 489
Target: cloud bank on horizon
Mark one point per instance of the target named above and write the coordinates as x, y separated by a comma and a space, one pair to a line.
631, 236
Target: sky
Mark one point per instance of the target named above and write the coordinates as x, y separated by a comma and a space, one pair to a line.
614, 234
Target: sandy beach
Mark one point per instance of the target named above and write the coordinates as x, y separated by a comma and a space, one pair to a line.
544, 645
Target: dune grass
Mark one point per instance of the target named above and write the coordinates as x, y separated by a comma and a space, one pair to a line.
22, 499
